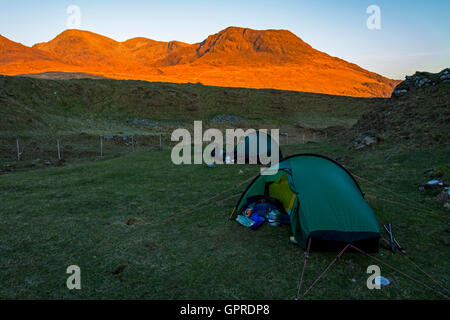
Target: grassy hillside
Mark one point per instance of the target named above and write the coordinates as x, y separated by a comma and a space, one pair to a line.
33, 107
417, 114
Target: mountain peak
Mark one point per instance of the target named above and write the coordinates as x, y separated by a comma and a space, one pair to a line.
77, 32
244, 30
7, 42
247, 34
4, 39
81, 33
74, 36
243, 46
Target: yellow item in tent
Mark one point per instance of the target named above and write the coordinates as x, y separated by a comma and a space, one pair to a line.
232, 213
280, 190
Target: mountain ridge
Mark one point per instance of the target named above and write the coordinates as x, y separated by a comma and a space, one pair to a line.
235, 57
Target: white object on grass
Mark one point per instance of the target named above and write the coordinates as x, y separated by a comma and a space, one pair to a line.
382, 281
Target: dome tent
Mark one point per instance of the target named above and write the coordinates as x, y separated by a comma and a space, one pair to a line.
329, 205
244, 150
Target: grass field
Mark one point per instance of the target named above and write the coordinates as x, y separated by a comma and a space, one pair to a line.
109, 213
116, 212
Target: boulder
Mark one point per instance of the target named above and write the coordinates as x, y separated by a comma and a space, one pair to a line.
225, 118
364, 142
400, 92
444, 196
433, 184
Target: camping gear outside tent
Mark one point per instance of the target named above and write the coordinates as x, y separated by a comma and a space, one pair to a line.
323, 199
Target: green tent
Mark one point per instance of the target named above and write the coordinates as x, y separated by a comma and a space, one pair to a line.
329, 206
263, 144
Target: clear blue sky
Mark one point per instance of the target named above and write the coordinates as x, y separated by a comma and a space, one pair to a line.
414, 35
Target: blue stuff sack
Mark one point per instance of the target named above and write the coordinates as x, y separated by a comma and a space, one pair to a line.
258, 221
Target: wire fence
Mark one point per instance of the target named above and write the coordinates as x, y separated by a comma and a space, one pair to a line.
32, 151
301, 138
55, 150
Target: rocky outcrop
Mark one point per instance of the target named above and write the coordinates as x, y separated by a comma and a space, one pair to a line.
364, 142
418, 112
222, 118
420, 80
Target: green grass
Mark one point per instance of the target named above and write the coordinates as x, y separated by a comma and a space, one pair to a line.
103, 213
77, 214
420, 117
37, 107
36, 151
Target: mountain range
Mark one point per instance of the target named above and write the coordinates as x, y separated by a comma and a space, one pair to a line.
234, 57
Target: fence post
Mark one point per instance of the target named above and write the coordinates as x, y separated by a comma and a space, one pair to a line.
303, 138
132, 143
18, 150
160, 141
314, 136
287, 138
101, 146
59, 151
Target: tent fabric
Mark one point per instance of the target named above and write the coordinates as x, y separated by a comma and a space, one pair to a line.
244, 149
329, 204
280, 190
